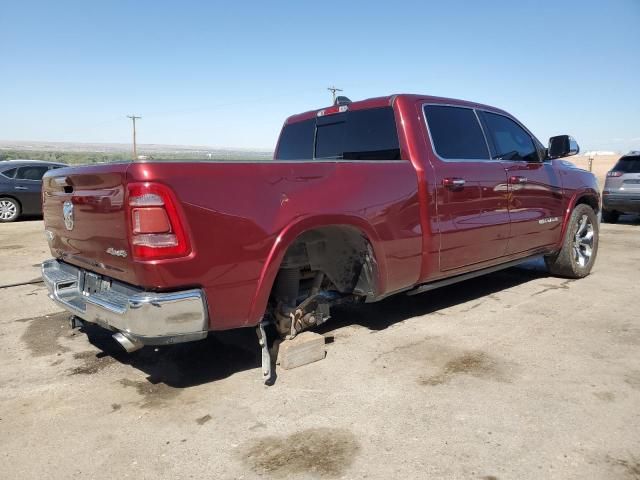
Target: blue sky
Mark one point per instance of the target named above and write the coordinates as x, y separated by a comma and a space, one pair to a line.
228, 73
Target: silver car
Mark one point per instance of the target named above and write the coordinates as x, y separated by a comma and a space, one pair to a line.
622, 188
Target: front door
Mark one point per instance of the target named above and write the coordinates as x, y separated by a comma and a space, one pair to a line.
536, 203
472, 191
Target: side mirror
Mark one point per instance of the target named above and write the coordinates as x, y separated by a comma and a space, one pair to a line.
562, 146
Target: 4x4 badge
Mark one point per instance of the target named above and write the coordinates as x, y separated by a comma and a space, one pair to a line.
117, 253
67, 214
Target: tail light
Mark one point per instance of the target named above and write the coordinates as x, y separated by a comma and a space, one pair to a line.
614, 173
155, 226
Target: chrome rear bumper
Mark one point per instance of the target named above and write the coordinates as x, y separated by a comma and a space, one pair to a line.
150, 318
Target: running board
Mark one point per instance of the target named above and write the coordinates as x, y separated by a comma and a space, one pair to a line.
467, 276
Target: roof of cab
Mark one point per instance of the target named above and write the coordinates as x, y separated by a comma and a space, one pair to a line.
377, 102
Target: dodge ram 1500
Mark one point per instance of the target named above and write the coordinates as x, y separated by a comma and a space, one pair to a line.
362, 200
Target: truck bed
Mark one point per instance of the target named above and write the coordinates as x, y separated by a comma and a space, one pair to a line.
239, 216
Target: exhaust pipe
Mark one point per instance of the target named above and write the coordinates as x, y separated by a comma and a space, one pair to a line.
126, 342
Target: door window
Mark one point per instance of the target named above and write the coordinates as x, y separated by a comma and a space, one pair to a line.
31, 172
456, 133
10, 173
508, 140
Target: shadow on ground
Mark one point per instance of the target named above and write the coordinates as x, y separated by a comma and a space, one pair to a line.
395, 309
226, 353
629, 219
188, 364
28, 218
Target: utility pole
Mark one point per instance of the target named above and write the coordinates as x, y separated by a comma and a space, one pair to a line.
333, 91
135, 148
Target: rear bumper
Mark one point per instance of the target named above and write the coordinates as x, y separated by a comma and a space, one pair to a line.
622, 202
149, 318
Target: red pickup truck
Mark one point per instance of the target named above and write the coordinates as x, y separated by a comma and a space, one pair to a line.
362, 200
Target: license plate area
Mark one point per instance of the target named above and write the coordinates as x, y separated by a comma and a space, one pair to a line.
93, 283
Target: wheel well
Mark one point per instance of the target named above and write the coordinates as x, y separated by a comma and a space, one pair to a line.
342, 253
589, 200
12, 198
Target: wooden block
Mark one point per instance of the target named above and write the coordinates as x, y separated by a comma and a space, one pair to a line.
305, 348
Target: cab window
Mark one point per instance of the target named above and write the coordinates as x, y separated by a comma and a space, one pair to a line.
296, 141
456, 133
369, 134
508, 140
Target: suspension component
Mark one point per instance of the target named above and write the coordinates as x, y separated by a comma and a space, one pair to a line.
267, 364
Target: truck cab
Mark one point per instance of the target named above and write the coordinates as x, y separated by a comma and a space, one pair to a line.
489, 189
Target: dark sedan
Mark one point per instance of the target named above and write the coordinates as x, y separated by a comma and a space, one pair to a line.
20, 187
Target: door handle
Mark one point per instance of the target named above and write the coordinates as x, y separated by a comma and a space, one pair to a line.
517, 180
453, 183
19, 188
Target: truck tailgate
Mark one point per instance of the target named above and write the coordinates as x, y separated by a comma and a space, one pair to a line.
85, 218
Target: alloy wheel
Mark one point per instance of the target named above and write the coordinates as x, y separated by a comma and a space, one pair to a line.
8, 210
583, 242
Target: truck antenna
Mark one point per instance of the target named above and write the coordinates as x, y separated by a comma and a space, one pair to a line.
333, 89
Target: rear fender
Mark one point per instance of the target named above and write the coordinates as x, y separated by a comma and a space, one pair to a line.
290, 233
12, 197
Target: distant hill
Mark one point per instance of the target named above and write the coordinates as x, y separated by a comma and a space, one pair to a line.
77, 153
593, 153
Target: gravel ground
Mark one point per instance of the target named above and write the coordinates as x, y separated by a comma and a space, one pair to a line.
516, 375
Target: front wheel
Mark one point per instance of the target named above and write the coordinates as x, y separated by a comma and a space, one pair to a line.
580, 246
9, 210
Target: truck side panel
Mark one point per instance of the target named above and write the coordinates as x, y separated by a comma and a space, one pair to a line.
234, 232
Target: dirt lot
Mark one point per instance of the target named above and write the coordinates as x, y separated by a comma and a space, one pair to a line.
517, 375
600, 165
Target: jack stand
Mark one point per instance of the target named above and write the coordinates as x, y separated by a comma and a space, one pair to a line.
267, 370
75, 322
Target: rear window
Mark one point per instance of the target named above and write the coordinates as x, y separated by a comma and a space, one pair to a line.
354, 135
10, 173
296, 141
628, 165
31, 172
456, 133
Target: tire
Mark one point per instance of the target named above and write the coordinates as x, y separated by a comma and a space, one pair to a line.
9, 210
579, 247
610, 216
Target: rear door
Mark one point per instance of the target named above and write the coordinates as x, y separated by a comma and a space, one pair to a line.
472, 213
28, 185
536, 203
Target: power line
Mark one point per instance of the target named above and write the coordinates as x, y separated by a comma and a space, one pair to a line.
135, 148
